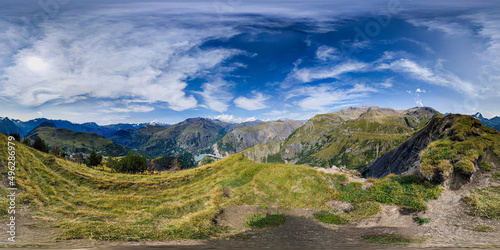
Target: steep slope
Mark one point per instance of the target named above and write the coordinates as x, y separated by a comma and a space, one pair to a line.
72, 141
244, 137
8, 127
350, 137
450, 146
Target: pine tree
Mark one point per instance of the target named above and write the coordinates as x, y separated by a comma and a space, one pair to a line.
40, 145
94, 159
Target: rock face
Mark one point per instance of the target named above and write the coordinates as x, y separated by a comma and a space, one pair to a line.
350, 137
242, 138
407, 155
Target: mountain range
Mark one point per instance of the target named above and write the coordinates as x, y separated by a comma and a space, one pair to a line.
492, 123
24, 127
349, 138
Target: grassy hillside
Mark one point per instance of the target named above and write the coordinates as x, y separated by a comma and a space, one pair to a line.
72, 141
88, 203
351, 137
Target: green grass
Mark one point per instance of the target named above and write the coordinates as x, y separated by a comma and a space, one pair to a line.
388, 239
482, 228
485, 166
496, 176
421, 221
95, 204
329, 218
485, 202
269, 220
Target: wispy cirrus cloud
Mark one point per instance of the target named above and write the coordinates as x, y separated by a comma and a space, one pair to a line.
216, 94
306, 75
437, 77
108, 59
256, 102
324, 97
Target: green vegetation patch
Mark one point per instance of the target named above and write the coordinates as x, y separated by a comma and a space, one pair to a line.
482, 228
388, 239
485, 166
329, 218
408, 191
496, 176
269, 220
485, 202
421, 221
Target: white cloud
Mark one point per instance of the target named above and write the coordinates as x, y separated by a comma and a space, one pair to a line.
109, 59
306, 75
444, 25
255, 103
324, 97
420, 91
216, 94
388, 83
325, 53
232, 119
442, 78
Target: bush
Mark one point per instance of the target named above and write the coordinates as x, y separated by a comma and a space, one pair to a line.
269, 220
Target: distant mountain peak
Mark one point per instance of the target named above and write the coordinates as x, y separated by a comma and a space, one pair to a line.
478, 115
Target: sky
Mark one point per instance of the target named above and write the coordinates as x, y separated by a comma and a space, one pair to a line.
125, 61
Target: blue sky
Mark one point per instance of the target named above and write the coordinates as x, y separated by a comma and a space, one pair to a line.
237, 60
